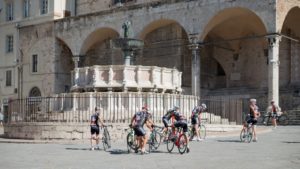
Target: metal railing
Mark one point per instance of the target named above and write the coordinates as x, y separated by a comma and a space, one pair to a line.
116, 107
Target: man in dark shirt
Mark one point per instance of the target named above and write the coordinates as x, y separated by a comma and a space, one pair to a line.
95, 130
137, 122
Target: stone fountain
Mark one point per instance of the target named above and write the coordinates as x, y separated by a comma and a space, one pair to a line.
126, 77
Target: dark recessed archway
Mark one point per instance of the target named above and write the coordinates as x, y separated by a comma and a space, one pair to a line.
243, 59
166, 45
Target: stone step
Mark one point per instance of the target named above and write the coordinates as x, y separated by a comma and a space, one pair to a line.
294, 122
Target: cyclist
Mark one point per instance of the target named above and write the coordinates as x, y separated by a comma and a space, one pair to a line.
254, 114
95, 130
181, 121
196, 119
137, 122
274, 110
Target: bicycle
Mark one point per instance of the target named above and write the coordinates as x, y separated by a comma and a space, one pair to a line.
154, 139
247, 133
201, 130
177, 138
282, 119
106, 141
132, 143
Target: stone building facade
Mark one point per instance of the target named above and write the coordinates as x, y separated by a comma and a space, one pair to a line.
226, 48
16, 82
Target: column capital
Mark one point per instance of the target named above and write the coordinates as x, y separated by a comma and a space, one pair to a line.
76, 59
273, 40
193, 41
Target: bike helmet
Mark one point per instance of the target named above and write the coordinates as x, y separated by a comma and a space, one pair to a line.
175, 108
203, 106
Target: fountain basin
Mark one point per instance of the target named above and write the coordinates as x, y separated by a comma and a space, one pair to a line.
123, 78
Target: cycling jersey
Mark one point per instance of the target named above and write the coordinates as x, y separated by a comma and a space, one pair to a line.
94, 119
178, 116
94, 124
141, 117
196, 112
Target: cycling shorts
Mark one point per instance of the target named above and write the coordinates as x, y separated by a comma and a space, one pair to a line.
139, 131
182, 124
252, 120
274, 115
95, 129
195, 120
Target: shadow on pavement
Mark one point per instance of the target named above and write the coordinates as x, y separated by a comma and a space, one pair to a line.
118, 151
230, 141
291, 142
82, 149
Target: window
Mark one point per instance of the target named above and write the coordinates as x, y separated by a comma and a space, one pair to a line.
9, 43
44, 6
34, 63
9, 11
26, 8
8, 78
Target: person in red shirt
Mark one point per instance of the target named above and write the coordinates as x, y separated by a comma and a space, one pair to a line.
274, 110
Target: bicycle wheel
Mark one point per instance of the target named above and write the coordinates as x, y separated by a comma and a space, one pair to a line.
106, 140
243, 135
267, 120
156, 140
261, 119
170, 143
202, 131
283, 119
249, 134
131, 142
182, 143
190, 132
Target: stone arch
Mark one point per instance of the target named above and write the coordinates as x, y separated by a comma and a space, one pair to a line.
289, 50
97, 48
155, 25
166, 45
35, 92
237, 57
64, 65
97, 35
231, 14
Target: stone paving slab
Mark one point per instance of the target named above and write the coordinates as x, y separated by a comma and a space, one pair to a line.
275, 149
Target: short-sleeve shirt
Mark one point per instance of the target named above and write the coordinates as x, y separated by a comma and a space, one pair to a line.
141, 117
94, 119
196, 112
179, 116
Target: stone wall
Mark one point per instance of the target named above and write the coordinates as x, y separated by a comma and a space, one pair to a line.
59, 131
38, 40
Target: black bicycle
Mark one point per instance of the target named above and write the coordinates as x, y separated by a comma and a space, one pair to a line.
266, 119
106, 139
154, 139
247, 133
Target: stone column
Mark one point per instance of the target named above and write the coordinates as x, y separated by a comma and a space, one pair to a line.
76, 59
273, 68
127, 57
194, 46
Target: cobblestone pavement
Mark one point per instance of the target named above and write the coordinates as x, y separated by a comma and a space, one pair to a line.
277, 149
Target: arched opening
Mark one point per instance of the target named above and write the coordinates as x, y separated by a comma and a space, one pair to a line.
97, 49
64, 65
234, 54
35, 92
166, 45
290, 50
